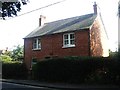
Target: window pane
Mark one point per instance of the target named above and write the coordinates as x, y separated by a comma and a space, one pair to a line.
65, 36
66, 42
72, 42
39, 43
71, 36
34, 43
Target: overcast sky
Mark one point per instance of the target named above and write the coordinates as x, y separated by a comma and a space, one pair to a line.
12, 31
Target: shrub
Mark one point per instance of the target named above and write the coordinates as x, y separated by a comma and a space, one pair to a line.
14, 71
107, 71
5, 58
78, 70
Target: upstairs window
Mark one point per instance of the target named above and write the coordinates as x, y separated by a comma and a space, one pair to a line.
36, 44
69, 40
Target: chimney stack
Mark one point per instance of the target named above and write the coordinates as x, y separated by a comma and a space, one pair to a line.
95, 8
42, 20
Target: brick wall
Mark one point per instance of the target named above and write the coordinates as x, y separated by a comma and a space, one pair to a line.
27, 52
52, 45
95, 40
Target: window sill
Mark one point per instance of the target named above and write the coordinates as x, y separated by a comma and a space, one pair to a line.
36, 49
69, 46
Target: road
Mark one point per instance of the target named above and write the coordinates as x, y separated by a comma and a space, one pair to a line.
7, 86
13, 86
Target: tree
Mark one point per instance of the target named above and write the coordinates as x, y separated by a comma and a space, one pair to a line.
8, 53
17, 53
5, 58
12, 56
10, 9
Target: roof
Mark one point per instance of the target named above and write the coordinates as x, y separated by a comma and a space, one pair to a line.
64, 25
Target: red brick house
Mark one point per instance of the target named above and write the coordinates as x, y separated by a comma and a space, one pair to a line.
76, 36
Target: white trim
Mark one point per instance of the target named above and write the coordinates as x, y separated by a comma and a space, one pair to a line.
37, 49
37, 42
69, 45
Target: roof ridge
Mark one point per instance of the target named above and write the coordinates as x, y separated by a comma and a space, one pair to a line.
69, 18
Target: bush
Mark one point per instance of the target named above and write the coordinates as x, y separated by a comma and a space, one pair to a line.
5, 58
14, 71
78, 70
108, 72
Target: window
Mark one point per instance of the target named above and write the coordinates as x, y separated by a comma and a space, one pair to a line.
69, 40
36, 44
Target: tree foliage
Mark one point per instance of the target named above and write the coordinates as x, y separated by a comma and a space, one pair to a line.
10, 9
17, 53
5, 58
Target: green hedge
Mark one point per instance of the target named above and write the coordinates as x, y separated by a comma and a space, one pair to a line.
14, 71
78, 70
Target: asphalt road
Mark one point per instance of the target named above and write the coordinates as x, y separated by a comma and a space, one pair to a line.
13, 86
7, 86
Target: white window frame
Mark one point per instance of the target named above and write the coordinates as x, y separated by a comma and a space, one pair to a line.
37, 45
69, 40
